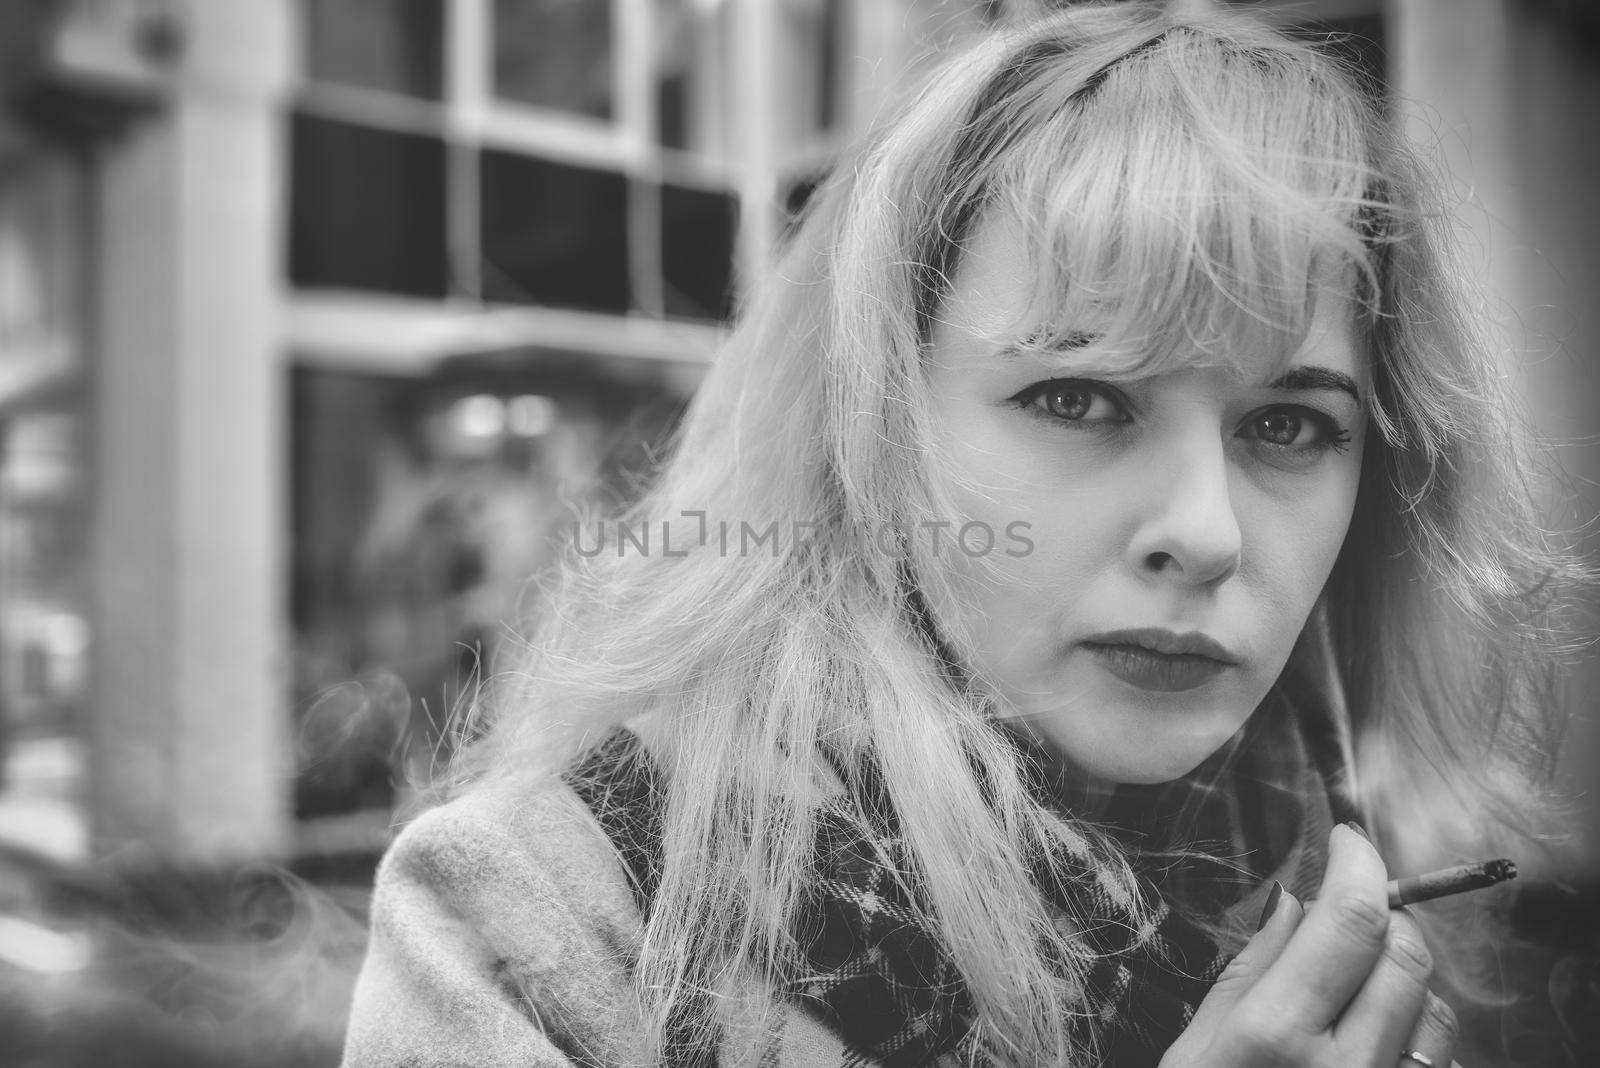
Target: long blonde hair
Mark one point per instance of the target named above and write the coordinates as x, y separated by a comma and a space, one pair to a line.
1204, 168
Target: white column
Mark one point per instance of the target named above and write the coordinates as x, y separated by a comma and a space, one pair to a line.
757, 65
189, 732
1513, 96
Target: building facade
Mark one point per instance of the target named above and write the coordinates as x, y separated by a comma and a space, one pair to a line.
318, 315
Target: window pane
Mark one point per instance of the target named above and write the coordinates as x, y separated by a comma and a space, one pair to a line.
554, 54
697, 231
553, 233
694, 108
367, 209
394, 45
46, 497
797, 194
809, 66
42, 264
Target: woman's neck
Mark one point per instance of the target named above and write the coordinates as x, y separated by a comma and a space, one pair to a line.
1065, 785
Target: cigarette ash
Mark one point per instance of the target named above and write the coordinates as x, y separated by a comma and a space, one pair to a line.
1500, 870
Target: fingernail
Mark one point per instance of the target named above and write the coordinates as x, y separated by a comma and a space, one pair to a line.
1362, 831
1272, 904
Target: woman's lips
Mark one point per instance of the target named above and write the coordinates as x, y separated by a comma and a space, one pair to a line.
1158, 672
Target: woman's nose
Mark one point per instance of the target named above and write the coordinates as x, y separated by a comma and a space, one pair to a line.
1189, 531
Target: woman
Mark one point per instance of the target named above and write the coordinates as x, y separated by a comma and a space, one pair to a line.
1098, 504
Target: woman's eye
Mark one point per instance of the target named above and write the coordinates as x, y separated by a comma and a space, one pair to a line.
1298, 429
1072, 401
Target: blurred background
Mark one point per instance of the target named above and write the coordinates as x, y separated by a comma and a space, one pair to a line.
319, 317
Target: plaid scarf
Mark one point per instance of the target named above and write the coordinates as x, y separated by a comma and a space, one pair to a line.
879, 976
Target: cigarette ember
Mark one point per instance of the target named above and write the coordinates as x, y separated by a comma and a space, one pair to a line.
1447, 881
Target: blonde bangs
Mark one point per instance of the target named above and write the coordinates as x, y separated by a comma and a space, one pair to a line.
1186, 218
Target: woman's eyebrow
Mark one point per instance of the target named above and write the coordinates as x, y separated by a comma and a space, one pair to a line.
1035, 343
1302, 378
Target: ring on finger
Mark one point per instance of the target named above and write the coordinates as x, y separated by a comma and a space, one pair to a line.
1416, 1058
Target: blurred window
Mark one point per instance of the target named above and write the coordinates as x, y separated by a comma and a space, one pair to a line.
367, 208
396, 46
555, 54
697, 236
46, 571
797, 193
810, 32
508, 155
693, 77
553, 233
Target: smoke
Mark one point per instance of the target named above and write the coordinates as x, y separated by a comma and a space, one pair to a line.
248, 969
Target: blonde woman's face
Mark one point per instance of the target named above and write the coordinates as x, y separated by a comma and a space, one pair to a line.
1194, 502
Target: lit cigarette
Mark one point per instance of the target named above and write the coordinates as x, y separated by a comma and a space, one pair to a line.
1447, 881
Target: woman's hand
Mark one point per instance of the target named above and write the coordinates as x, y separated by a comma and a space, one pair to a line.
1340, 984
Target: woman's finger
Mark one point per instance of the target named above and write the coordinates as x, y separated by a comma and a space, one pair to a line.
1435, 1035
1380, 1020
1254, 959
1336, 945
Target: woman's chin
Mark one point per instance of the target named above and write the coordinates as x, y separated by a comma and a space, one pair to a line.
1148, 769
1111, 753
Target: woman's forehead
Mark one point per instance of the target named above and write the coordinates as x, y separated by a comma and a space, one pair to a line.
1006, 295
